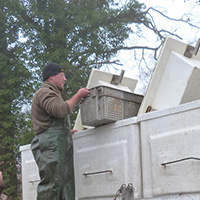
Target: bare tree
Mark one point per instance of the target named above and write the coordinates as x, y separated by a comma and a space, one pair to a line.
152, 35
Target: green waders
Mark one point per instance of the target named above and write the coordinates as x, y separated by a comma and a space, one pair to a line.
53, 152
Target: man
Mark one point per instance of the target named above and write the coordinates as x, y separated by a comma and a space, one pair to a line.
2, 186
52, 145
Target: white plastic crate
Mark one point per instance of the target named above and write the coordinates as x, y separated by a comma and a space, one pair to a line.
175, 79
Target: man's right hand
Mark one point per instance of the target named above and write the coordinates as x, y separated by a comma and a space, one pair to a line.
83, 92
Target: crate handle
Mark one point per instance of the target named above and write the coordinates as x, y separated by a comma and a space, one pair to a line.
117, 79
93, 93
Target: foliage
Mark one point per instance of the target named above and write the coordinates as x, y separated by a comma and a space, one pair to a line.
76, 34
14, 91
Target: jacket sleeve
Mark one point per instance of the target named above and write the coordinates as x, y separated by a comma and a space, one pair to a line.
53, 104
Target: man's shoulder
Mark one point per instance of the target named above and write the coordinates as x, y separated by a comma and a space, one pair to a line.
41, 91
45, 91
45, 88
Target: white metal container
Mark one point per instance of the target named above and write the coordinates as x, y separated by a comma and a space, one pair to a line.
105, 158
30, 174
158, 152
170, 150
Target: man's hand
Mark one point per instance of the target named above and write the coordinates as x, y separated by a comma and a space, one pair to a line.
73, 131
83, 92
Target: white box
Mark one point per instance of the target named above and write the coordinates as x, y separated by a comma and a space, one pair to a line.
105, 158
170, 150
175, 79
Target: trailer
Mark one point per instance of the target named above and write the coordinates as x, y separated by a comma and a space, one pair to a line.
153, 155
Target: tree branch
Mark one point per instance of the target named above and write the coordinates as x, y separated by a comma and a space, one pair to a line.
116, 62
172, 19
155, 49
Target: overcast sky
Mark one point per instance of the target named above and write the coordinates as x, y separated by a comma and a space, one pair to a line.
185, 9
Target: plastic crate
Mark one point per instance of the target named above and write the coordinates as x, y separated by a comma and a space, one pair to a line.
105, 105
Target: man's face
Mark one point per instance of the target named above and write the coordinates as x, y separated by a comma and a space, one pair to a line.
59, 80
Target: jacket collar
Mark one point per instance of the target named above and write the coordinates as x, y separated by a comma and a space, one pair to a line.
51, 86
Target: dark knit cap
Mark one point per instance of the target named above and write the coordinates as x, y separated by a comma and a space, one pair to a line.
51, 69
